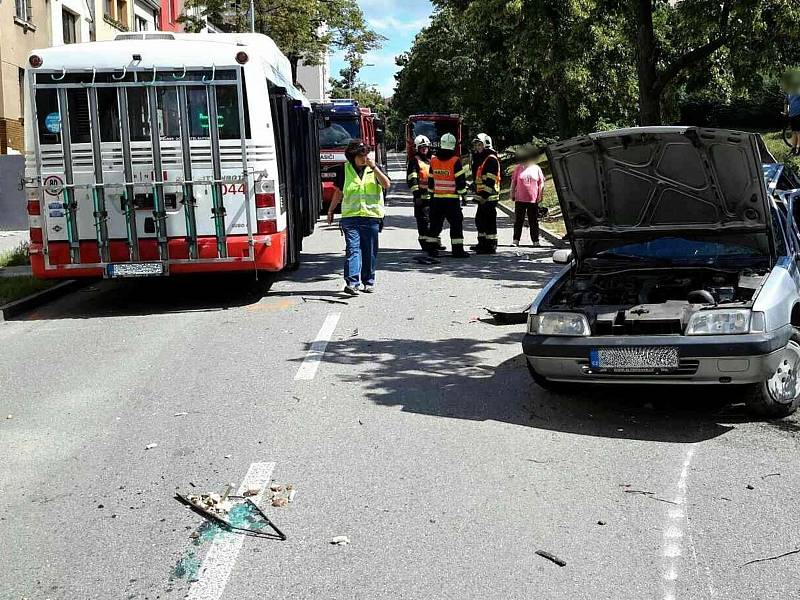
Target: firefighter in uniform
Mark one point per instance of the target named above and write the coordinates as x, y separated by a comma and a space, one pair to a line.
417, 179
487, 186
447, 185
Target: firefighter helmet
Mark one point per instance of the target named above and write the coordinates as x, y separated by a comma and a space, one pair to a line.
448, 142
484, 139
421, 140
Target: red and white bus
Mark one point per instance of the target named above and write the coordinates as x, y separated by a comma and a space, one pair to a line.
161, 153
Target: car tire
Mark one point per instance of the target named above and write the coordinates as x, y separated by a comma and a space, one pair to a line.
544, 382
763, 401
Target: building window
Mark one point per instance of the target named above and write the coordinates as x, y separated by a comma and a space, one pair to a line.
141, 24
109, 8
24, 12
69, 22
122, 12
21, 76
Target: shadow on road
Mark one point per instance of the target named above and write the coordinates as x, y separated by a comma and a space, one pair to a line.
176, 294
448, 378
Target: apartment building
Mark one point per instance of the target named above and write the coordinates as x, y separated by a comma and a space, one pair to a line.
24, 25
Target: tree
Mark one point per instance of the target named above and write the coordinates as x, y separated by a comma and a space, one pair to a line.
303, 29
675, 40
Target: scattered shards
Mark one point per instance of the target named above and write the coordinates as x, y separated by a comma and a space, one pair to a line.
150, 446
280, 502
750, 487
328, 300
180, 414
552, 558
9, 416
770, 475
601, 522
650, 495
758, 560
516, 315
340, 540
227, 456
252, 491
281, 495
235, 513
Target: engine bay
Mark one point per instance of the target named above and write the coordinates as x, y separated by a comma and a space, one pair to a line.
653, 301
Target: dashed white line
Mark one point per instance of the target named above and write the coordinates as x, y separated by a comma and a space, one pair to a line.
673, 531
308, 369
221, 558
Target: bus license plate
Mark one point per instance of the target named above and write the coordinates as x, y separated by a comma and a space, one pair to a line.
631, 360
142, 269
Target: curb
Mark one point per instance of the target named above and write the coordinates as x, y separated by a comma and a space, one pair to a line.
555, 241
12, 309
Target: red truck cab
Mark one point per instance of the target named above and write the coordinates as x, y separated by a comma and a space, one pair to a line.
433, 126
340, 122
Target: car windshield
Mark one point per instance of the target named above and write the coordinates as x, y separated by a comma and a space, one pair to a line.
338, 133
681, 250
434, 130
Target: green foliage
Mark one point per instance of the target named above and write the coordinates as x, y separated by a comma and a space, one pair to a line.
18, 257
521, 69
303, 29
14, 288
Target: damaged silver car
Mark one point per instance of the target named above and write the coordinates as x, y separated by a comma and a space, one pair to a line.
683, 266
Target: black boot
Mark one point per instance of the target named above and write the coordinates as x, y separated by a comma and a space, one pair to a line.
459, 252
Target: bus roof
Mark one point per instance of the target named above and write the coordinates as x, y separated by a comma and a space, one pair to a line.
173, 50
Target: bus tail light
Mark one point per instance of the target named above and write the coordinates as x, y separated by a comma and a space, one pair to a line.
34, 217
266, 216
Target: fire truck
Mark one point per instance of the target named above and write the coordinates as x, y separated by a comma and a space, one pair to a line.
162, 153
433, 126
340, 122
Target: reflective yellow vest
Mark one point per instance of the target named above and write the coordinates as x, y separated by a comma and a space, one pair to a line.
361, 196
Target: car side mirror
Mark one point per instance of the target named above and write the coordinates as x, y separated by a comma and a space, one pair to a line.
562, 256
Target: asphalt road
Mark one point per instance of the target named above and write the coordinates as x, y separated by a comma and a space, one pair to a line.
418, 435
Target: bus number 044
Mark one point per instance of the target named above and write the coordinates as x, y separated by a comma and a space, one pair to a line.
232, 188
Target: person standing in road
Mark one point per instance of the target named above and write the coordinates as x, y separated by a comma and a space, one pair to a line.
417, 178
447, 184
527, 185
487, 186
360, 187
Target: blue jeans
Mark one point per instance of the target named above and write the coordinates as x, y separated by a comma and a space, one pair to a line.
361, 256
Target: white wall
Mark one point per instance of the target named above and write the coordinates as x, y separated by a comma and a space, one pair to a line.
82, 26
314, 80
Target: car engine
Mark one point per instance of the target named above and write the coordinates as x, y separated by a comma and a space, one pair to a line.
658, 301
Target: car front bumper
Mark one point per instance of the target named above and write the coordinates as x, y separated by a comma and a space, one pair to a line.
732, 359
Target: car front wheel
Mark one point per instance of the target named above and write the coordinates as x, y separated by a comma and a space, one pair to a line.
779, 395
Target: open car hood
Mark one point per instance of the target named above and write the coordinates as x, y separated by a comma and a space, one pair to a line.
643, 183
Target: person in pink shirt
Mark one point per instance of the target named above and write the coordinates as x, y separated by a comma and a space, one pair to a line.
527, 184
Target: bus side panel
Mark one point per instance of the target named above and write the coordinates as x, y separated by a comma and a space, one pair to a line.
269, 251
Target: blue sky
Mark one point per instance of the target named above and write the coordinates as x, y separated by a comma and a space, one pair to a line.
398, 21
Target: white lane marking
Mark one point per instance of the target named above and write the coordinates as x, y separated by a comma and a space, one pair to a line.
674, 531
221, 558
308, 369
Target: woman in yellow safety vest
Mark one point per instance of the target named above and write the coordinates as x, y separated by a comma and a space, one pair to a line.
359, 187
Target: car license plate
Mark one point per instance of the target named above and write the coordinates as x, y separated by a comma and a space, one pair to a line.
141, 269
631, 360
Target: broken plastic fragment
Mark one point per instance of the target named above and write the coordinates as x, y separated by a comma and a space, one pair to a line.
150, 446
340, 540
280, 502
291, 495
180, 414
252, 491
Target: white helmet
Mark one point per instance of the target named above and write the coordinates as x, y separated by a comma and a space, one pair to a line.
421, 140
448, 142
485, 140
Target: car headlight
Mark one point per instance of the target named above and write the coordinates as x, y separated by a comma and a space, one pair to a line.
559, 323
720, 322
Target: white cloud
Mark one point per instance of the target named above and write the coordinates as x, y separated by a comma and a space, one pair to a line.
391, 23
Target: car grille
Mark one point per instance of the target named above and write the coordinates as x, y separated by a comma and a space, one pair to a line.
686, 368
651, 327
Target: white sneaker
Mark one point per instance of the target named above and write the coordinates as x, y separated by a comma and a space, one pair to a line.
516, 242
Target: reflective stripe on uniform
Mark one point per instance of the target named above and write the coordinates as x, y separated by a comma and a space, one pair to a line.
491, 236
457, 241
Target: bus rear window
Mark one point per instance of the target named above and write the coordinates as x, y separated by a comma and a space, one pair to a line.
48, 116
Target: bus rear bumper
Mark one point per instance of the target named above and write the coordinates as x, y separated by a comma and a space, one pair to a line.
270, 251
